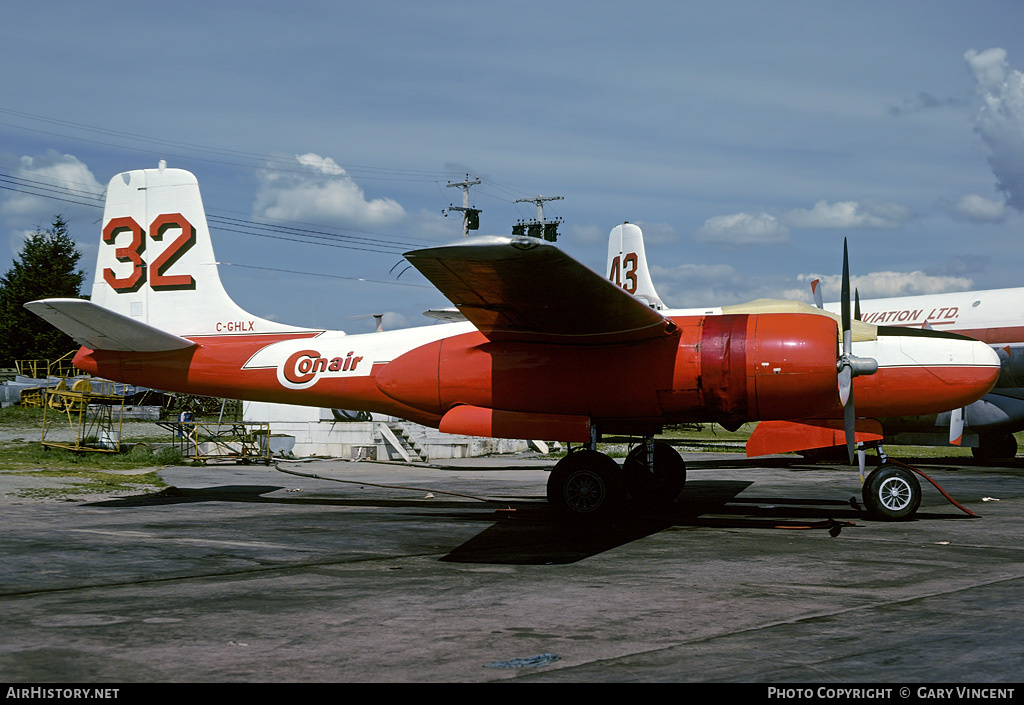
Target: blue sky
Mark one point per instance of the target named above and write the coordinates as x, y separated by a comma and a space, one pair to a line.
746, 138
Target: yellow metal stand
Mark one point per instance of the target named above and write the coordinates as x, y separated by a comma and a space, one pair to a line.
89, 415
248, 442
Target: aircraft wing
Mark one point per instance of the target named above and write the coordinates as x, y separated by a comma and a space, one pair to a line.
98, 328
526, 289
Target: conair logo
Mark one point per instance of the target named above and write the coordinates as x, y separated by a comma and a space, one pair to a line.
302, 369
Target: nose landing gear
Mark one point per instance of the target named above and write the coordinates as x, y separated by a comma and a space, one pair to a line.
891, 493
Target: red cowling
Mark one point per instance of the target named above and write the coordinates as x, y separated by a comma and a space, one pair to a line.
714, 368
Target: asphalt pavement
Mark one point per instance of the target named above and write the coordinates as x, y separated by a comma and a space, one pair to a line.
765, 571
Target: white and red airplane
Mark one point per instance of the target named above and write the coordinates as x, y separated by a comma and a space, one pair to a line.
550, 349
995, 317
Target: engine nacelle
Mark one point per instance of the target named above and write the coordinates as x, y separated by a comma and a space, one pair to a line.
768, 366
728, 369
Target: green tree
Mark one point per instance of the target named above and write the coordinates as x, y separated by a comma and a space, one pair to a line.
45, 268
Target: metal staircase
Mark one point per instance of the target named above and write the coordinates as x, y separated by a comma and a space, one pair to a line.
397, 436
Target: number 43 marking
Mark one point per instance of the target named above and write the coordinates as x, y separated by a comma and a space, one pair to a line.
156, 273
625, 267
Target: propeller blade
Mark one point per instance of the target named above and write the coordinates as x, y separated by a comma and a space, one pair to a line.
850, 426
847, 339
856, 305
816, 293
845, 385
956, 426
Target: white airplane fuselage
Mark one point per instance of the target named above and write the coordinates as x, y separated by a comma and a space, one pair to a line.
993, 316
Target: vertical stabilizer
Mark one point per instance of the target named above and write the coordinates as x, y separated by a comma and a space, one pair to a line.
627, 264
156, 262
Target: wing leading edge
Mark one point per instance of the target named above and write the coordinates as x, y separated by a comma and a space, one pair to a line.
527, 290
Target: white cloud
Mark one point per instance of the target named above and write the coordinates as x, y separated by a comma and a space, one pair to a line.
59, 172
881, 285
58, 176
973, 208
767, 229
743, 229
1000, 121
697, 285
321, 192
848, 214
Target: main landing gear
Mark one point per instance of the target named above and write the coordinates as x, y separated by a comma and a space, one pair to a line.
588, 486
996, 447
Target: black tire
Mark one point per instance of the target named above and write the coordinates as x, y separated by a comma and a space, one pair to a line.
996, 448
658, 488
346, 415
586, 486
832, 454
892, 493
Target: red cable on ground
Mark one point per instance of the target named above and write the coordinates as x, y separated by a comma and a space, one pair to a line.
952, 501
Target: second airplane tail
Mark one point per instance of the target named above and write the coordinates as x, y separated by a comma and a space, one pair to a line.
627, 264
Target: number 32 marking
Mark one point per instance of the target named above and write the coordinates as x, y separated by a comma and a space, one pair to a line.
156, 273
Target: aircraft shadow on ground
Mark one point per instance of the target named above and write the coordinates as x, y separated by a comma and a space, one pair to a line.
258, 494
524, 531
532, 534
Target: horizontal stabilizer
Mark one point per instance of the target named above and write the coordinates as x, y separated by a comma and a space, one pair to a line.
98, 328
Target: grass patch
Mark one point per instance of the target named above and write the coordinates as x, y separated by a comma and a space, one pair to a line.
697, 438
712, 438
90, 482
69, 474
21, 416
20, 455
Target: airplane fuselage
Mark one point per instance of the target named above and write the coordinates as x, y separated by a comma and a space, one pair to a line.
729, 369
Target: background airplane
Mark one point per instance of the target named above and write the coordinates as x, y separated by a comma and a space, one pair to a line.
550, 349
995, 317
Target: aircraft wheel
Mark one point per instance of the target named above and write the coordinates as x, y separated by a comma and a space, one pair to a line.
996, 448
892, 493
831, 454
586, 486
662, 485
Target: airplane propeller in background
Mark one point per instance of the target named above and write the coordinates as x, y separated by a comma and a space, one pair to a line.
849, 365
956, 426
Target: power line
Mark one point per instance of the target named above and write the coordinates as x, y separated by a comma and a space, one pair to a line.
264, 161
366, 241
330, 276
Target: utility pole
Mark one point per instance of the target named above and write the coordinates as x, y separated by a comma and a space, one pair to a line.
539, 227
470, 216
